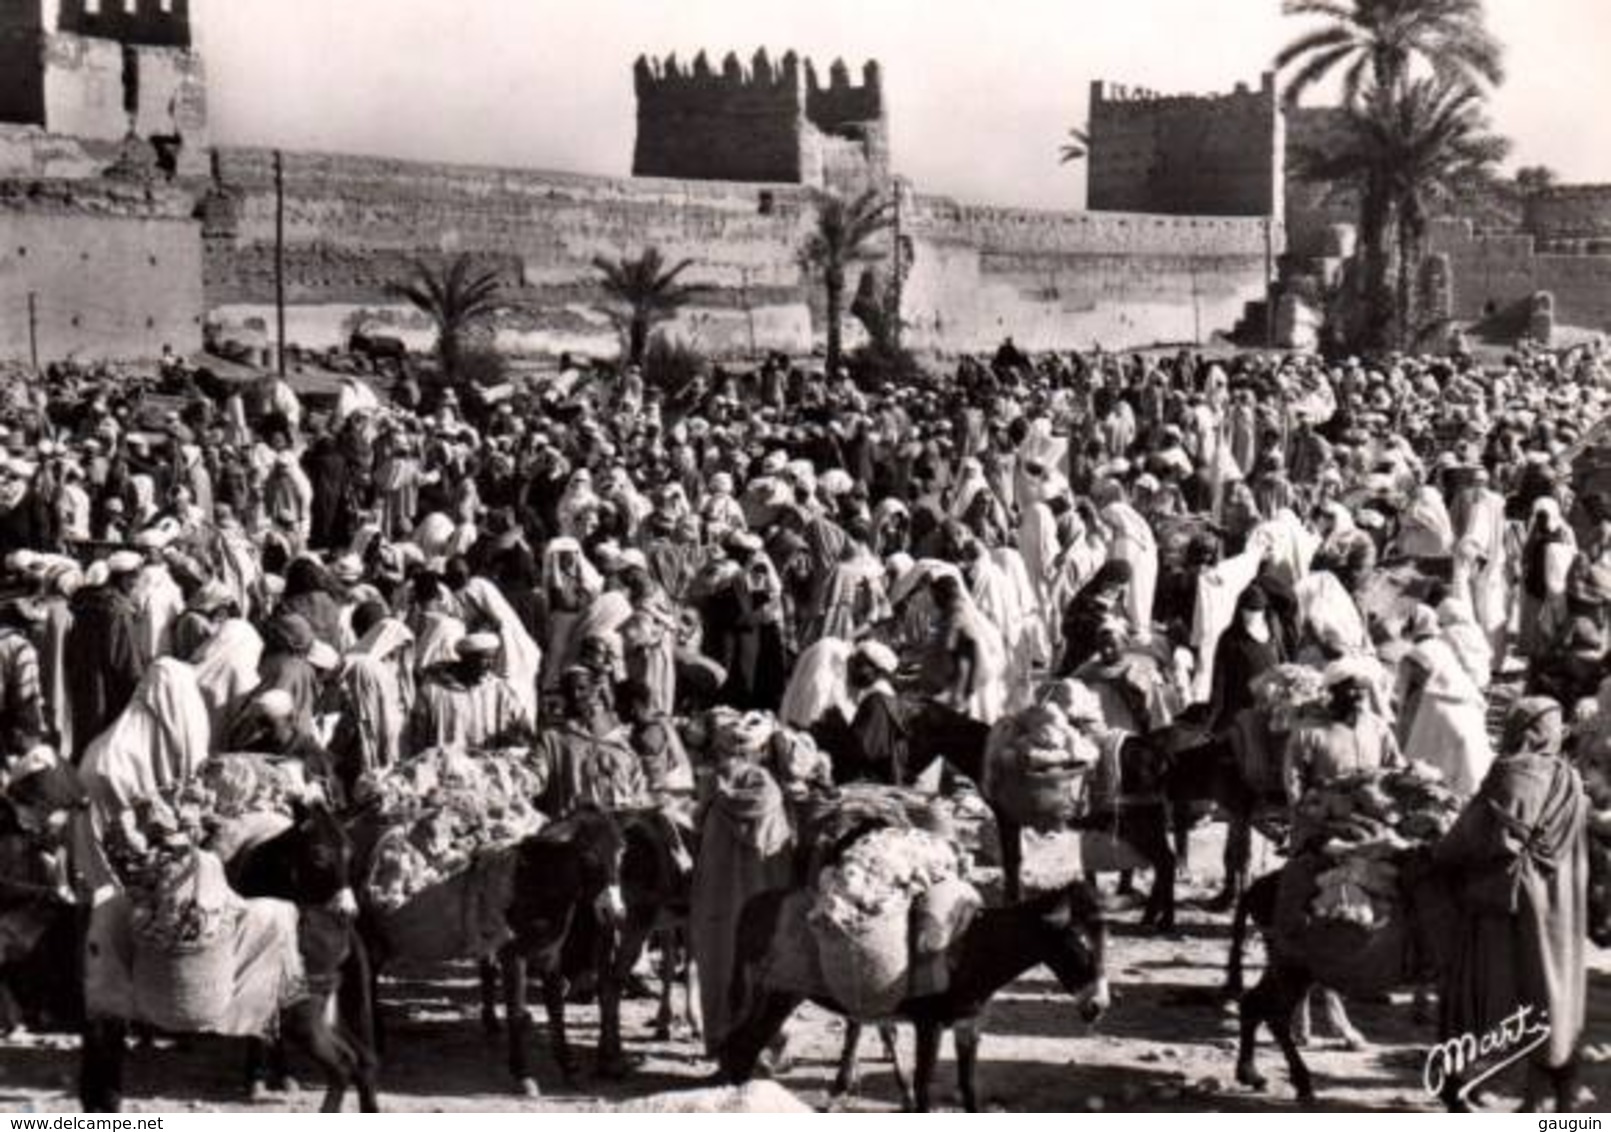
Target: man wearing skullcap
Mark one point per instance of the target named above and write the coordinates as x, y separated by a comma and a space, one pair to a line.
269, 727
878, 748
1353, 739
584, 759
101, 652
466, 706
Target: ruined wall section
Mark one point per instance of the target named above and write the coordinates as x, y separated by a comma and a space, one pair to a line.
1183, 155
114, 272
1494, 274
354, 224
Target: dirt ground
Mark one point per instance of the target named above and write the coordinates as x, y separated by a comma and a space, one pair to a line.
1168, 1044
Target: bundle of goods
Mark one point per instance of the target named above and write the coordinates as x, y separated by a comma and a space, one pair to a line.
797, 762
1344, 902
1036, 761
1285, 698
866, 927
792, 756
232, 786
962, 818
443, 809
730, 734
1359, 827
180, 902
1384, 813
240, 801
179, 949
1290, 695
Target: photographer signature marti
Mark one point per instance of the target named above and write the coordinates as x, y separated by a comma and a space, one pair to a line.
1472, 1059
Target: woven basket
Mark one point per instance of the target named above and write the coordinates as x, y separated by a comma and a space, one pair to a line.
865, 969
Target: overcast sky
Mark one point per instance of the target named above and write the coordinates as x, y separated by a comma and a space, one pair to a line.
979, 93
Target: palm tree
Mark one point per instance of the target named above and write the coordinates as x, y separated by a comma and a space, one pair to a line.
1076, 148
1354, 158
1375, 44
648, 290
456, 298
844, 235
1405, 154
1440, 142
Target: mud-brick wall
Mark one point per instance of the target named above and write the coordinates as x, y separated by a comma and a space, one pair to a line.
353, 224
1494, 273
1050, 279
1055, 280
104, 285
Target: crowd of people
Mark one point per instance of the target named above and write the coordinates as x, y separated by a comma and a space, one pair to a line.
580, 569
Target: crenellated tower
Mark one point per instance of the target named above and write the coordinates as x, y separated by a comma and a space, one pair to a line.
100, 70
1187, 155
767, 122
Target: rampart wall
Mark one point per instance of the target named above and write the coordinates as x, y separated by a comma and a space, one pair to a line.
1493, 273
1049, 279
111, 274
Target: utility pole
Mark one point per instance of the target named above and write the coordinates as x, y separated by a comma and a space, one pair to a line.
33, 329
749, 308
279, 257
1269, 282
897, 283
1196, 306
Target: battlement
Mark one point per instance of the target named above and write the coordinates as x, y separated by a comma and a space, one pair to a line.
768, 121
1177, 154
1116, 98
95, 70
841, 102
140, 23
668, 79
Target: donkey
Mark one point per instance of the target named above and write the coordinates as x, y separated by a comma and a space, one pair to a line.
657, 887
292, 867
309, 865
565, 914
1063, 930
1140, 817
1297, 962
